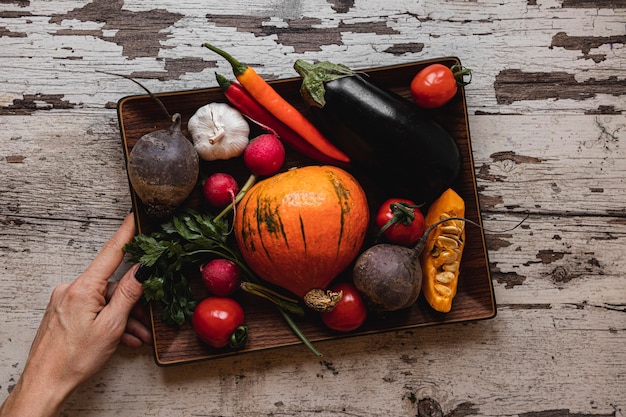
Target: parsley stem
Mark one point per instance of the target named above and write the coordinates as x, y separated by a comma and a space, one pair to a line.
249, 183
299, 333
252, 285
285, 303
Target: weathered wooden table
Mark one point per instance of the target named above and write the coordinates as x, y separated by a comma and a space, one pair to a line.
546, 109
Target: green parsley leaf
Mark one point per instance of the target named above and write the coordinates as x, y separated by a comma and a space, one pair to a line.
181, 243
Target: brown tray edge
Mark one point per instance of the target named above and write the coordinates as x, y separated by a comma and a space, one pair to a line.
491, 314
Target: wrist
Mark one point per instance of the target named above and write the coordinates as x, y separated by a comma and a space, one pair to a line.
35, 397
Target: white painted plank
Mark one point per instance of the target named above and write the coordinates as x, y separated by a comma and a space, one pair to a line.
557, 342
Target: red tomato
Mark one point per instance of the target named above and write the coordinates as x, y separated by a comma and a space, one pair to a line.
350, 313
216, 319
435, 85
400, 221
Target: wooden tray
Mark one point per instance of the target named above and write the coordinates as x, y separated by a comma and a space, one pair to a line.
475, 300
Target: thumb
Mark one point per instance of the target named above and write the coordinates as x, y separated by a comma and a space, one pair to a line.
126, 294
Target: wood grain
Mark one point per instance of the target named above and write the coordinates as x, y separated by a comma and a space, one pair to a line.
556, 346
475, 299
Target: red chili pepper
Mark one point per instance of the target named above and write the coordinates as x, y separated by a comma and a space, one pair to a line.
247, 105
279, 107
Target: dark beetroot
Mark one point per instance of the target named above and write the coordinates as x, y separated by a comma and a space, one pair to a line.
163, 166
163, 169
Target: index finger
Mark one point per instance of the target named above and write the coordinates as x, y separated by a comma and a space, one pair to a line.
112, 253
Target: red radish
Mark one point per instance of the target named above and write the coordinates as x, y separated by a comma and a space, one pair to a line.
221, 277
264, 155
220, 189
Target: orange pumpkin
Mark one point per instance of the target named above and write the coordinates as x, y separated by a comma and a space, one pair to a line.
441, 257
301, 228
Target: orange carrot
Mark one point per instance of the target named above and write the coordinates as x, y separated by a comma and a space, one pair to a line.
279, 107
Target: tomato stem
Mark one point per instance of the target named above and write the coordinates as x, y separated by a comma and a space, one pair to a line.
239, 337
403, 213
459, 72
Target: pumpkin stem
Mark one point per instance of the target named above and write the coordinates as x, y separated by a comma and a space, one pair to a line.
322, 301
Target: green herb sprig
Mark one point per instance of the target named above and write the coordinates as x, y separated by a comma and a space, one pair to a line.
180, 243
177, 250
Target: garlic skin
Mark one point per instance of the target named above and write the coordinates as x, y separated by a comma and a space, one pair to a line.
218, 131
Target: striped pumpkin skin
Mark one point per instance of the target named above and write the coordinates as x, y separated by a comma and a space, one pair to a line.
301, 228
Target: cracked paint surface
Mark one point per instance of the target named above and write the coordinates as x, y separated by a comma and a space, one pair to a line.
140, 34
299, 33
32, 102
586, 43
513, 85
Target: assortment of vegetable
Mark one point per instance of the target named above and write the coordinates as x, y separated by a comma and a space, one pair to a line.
239, 98
279, 107
384, 134
390, 276
294, 232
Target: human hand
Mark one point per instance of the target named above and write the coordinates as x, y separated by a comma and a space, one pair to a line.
137, 332
84, 323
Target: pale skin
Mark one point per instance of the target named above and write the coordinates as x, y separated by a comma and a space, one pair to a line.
84, 323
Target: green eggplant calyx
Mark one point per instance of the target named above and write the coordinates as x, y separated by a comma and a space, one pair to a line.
315, 75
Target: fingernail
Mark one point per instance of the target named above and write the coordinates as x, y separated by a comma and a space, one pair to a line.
132, 209
143, 273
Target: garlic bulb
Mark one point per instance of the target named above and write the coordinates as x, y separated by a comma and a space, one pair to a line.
218, 131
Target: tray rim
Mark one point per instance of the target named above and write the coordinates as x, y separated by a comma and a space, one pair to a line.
492, 313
